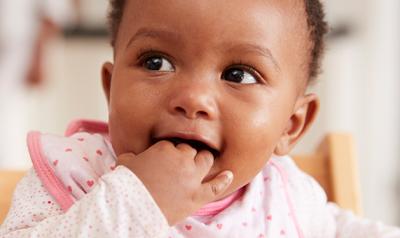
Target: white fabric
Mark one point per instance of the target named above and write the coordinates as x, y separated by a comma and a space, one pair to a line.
120, 206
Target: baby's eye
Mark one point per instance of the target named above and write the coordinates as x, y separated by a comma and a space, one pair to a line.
238, 75
158, 63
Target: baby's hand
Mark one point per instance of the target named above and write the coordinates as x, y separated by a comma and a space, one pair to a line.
173, 176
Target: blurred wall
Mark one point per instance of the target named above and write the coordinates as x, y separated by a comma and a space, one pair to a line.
72, 86
72, 90
359, 92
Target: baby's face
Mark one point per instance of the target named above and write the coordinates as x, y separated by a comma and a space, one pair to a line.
229, 73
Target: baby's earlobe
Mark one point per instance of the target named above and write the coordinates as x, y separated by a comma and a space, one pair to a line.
282, 147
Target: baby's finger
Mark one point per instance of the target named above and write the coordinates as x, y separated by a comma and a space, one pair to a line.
187, 149
204, 160
211, 189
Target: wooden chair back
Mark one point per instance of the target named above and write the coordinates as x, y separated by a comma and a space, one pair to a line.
8, 181
334, 166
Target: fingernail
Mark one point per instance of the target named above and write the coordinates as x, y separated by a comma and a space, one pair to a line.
228, 176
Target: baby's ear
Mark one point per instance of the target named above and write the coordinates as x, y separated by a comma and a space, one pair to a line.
305, 112
106, 75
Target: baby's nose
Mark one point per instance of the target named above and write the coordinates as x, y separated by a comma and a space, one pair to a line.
194, 100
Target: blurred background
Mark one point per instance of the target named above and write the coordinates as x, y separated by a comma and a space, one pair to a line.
51, 53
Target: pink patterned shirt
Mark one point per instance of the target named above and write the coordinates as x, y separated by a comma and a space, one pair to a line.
75, 190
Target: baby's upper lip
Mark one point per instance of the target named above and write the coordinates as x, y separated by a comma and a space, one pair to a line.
191, 135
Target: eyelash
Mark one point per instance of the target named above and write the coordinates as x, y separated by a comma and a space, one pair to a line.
144, 53
241, 65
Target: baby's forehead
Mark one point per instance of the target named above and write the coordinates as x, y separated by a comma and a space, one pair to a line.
272, 17
276, 29
216, 12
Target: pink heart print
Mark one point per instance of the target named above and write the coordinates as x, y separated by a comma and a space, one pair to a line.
90, 183
188, 227
99, 152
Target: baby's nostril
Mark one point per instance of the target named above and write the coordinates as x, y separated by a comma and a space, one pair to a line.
180, 109
202, 114
191, 113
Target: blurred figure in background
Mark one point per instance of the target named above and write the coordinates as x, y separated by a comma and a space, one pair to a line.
25, 27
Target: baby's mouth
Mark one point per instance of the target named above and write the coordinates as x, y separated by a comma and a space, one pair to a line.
196, 144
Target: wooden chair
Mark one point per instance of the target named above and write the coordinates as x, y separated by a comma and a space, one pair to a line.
334, 166
8, 181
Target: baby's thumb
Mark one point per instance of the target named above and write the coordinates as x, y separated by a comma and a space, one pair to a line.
216, 186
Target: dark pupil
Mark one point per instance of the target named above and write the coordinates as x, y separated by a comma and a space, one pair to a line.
235, 75
153, 63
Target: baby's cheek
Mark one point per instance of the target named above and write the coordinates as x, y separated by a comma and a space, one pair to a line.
244, 164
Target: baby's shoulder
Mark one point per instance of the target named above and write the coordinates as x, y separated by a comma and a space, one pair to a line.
308, 198
296, 179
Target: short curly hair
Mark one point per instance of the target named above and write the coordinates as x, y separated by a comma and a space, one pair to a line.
317, 25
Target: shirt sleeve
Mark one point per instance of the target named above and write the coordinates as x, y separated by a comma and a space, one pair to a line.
350, 226
118, 206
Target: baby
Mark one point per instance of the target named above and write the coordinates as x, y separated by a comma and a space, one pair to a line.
206, 99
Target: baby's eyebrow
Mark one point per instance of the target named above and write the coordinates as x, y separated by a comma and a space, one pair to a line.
155, 33
254, 48
174, 37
